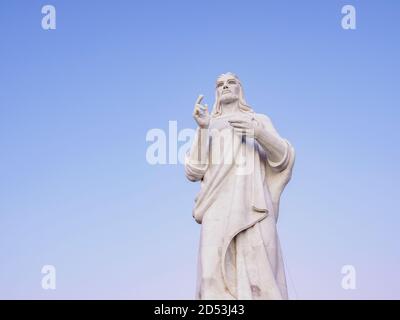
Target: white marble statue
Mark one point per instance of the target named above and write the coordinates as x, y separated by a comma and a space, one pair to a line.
243, 166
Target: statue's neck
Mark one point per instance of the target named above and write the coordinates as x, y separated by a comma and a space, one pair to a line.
231, 107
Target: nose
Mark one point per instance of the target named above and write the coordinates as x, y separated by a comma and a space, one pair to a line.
225, 86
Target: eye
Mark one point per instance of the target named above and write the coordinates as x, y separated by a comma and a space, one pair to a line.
220, 84
231, 82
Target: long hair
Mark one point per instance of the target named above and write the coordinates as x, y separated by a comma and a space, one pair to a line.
243, 106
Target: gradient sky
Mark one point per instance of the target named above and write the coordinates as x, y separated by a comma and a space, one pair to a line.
76, 103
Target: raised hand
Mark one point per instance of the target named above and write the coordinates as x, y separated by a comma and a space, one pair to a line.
200, 113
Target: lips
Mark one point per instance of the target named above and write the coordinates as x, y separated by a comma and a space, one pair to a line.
226, 91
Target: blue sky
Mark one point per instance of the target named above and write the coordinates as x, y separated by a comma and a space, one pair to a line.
77, 102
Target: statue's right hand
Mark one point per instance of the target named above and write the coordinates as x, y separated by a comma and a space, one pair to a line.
200, 113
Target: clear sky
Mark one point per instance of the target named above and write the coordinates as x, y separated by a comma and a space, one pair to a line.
77, 102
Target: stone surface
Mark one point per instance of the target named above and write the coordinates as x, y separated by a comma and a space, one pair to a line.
243, 166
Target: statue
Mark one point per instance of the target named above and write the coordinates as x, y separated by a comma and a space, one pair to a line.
243, 166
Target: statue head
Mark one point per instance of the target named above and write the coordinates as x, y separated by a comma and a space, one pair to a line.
228, 90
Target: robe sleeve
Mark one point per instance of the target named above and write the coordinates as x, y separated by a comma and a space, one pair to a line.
282, 164
278, 174
194, 168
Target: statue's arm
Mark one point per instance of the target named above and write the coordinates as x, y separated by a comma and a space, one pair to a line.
196, 160
276, 147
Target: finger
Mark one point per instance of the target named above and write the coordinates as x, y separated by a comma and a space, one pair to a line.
196, 110
239, 126
237, 121
199, 98
204, 109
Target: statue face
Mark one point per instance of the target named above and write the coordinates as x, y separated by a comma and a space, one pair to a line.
228, 88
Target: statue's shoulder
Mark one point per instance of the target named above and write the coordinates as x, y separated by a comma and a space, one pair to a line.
264, 119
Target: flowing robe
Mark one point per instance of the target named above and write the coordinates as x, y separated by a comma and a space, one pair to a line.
237, 207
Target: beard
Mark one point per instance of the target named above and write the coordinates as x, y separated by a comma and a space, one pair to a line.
228, 98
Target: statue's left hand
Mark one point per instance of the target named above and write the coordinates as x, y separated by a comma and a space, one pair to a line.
247, 126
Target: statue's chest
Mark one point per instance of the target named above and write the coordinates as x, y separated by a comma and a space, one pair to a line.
228, 144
